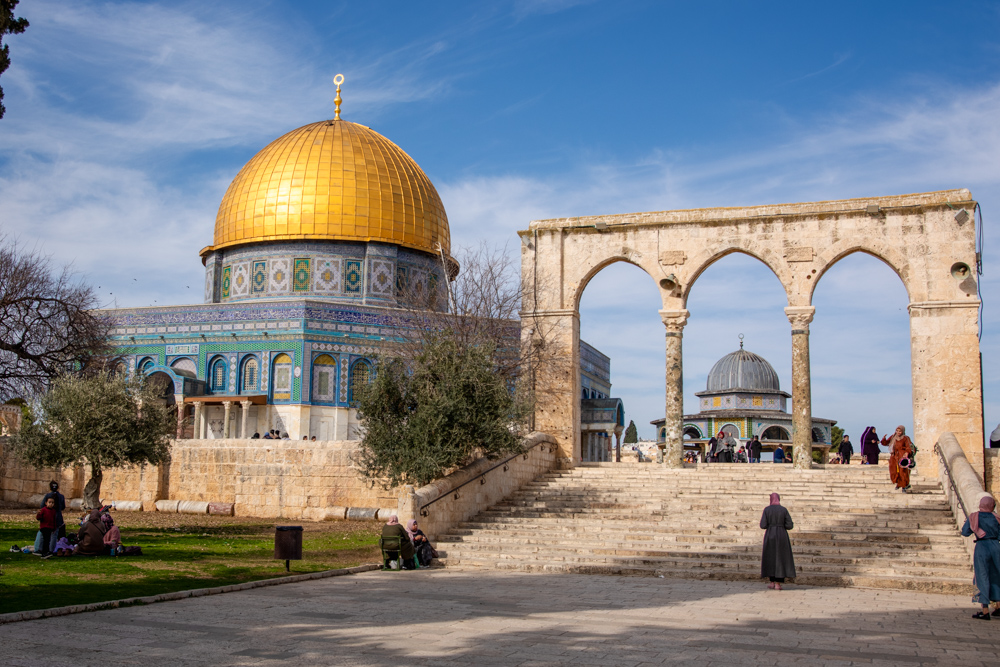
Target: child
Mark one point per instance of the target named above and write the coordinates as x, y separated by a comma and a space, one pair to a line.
47, 522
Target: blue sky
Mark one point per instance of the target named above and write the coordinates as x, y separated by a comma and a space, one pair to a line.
126, 121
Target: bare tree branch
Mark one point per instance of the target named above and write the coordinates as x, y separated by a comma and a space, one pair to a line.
47, 326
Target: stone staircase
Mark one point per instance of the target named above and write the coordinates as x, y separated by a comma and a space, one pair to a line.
851, 527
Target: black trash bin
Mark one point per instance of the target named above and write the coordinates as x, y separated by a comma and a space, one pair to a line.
288, 544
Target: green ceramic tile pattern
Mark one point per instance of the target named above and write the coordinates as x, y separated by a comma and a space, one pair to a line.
226, 279
301, 277
258, 280
352, 276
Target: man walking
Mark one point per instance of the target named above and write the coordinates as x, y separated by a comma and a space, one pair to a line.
755, 450
846, 449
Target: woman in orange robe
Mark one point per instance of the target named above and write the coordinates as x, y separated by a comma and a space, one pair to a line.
900, 446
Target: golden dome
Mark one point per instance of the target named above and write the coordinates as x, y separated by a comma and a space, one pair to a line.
332, 180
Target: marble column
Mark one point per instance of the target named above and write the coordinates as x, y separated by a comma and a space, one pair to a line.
181, 408
800, 317
674, 321
199, 409
245, 406
227, 406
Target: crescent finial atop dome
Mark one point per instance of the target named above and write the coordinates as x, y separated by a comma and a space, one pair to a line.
339, 79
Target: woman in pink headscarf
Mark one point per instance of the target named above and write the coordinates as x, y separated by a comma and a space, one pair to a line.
393, 529
985, 527
776, 560
900, 447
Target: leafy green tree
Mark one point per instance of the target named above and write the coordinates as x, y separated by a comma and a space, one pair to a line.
445, 407
836, 436
8, 26
103, 419
631, 433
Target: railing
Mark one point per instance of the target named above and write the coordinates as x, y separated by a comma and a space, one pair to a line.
481, 477
951, 478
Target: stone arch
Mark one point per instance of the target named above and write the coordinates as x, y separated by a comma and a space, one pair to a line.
165, 383
691, 432
582, 283
898, 264
776, 432
924, 237
766, 258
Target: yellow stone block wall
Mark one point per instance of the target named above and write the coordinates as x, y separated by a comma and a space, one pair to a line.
266, 478
992, 471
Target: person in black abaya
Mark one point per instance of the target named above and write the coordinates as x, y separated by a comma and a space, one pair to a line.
869, 446
776, 560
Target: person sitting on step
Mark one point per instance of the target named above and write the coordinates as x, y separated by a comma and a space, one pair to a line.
422, 546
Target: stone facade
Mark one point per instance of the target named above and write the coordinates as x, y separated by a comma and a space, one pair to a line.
927, 239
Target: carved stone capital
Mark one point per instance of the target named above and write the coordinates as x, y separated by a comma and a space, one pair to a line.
246, 404
800, 317
674, 320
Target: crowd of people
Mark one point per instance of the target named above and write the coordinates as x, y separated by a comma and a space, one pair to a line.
414, 547
98, 535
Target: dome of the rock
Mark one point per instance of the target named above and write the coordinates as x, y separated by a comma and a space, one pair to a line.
332, 180
742, 370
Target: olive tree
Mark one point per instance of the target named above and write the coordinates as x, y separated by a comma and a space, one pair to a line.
102, 419
446, 407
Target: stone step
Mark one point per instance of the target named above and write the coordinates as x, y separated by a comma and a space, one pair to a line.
852, 527
670, 524
803, 563
722, 543
750, 569
949, 586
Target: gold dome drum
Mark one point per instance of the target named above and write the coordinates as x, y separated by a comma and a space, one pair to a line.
332, 180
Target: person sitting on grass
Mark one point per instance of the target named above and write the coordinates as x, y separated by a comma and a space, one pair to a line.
392, 528
64, 547
113, 537
47, 524
91, 536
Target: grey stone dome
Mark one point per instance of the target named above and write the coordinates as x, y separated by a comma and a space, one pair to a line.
742, 370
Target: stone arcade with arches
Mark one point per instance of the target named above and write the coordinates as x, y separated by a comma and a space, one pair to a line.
927, 239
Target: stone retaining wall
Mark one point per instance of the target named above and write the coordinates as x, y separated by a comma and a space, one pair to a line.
288, 479
266, 478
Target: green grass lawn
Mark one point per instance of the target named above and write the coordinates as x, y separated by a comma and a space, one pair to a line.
179, 553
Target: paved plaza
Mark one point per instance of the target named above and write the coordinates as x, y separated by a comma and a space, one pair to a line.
453, 617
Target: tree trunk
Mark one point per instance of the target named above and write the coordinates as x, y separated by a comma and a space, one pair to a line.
92, 491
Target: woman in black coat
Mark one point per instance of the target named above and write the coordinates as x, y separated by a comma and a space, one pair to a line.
776, 560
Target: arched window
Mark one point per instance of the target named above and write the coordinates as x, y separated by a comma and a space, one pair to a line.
185, 366
324, 379
775, 433
217, 375
361, 375
250, 375
120, 368
145, 365
281, 378
818, 436
690, 433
